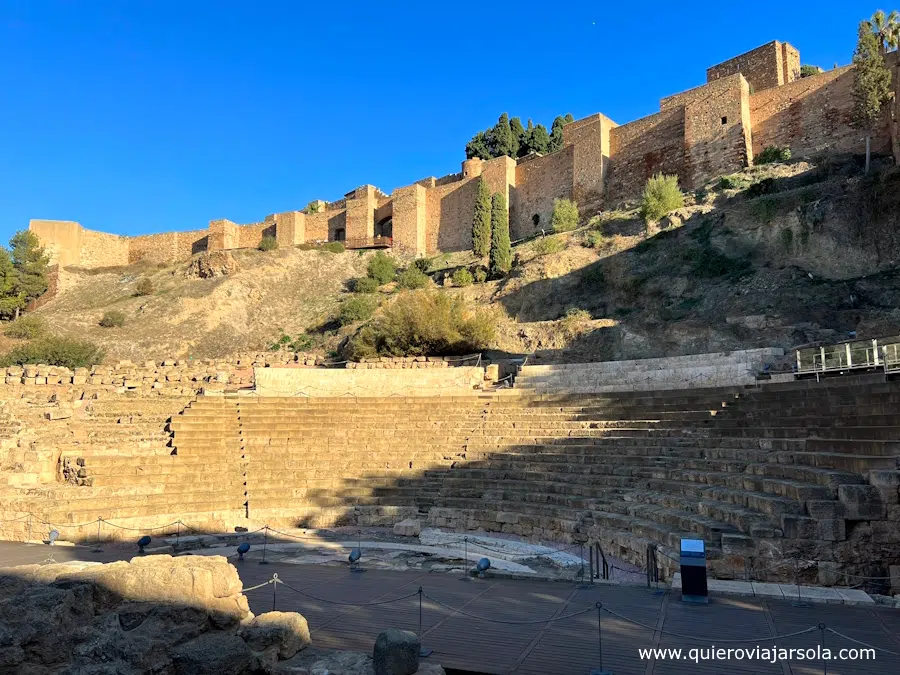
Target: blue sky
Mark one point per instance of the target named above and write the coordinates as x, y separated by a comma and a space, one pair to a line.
135, 117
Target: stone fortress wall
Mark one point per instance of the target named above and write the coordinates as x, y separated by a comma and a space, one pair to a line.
749, 102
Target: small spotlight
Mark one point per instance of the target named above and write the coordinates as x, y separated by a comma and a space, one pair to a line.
242, 549
54, 535
483, 566
354, 557
142, 542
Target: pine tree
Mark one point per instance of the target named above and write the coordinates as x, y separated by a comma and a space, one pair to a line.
556, 133
529, 137
10, 301
481, 221
502, 142
871, 85
568, 118
518, 133
501, 253
31, 266
540, 139
479, 146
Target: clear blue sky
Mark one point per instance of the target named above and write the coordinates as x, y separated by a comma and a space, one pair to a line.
135, 117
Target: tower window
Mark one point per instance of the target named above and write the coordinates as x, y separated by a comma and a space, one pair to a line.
724, 120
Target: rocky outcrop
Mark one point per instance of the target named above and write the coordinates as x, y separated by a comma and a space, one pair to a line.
155, 614
210, 265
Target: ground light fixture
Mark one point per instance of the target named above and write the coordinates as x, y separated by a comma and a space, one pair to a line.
354, 559
483, 566
142, 542
53, 536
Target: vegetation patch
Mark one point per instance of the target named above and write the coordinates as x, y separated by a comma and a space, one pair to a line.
462, 277
267, 243
547, 245
357, 308
28, 327
565, 215
772, 154
365, 285
382, 268
144, 287
334, 247
54, 351
425, 323
413, 278
112, 319
661, 196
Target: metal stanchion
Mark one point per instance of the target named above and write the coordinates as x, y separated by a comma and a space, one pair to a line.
465, 576
265, 544
582, 585
98, 548
274, 588
424, 652
177, 533
821, 627
600, 671
799, 602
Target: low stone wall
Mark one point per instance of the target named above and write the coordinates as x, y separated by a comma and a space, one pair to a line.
722, 369
438, 381
400, 362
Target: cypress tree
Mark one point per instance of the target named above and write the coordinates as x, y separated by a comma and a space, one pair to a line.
568, 118
31, 266
10, 301
556, 133
520, 147
502, 142
481, 221
871, 85
501, 253
529, 133
540, 139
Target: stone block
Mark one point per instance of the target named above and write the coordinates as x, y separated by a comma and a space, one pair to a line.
885, 531
831, 530
888, 484
410, 527
284, 633
863, 502
798, 527
895, 578
396, 653
823, 509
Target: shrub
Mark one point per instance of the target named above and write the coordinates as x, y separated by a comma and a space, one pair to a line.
575, 322
144, 287
412, 278
462, 277
113, 319
422, 264
808, 71
54, 351
661, 196
382, 268
425, 323
772, 154
731, 183
365, 285
480, 275
358, 308
334, 247
766, 186
565, 215
28, 327
593, 239
547, 245
267, 243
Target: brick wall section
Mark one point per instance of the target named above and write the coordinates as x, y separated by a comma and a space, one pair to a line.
167, 247
99, 249
590, 138
361, 213
248, 236
538, 183
644, 147
770, 65
812, 115
410, 218
449, 210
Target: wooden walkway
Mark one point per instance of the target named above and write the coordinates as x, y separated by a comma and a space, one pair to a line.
567, 646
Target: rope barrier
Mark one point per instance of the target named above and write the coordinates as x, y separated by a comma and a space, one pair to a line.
346, 604
509, 623
860, 642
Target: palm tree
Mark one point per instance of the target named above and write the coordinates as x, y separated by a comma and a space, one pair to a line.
887, 29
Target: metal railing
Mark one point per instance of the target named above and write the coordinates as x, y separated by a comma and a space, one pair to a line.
849, 356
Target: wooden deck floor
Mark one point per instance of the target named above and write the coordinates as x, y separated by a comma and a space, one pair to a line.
567, 646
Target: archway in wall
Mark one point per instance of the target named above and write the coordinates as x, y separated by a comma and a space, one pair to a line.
385, 228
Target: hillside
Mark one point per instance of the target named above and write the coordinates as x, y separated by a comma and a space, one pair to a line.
778, 255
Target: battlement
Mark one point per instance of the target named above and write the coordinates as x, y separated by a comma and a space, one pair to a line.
748, 102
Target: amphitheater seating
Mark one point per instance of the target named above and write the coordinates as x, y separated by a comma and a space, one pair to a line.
754, 472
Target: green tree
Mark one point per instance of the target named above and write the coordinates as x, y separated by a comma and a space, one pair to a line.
565, 215
569, 118
501, 253
481, 221
520, 145
886, 28
479, 146
871, 85
556, 133
502, 141
10, 299
540, 139
31, 265
529, 137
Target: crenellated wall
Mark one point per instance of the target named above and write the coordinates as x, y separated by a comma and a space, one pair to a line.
749, 102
